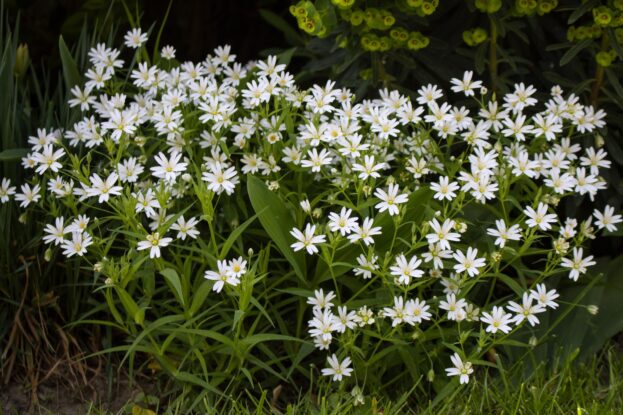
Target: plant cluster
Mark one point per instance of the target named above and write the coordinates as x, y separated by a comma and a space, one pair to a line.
221, 206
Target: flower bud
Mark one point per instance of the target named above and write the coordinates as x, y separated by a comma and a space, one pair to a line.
533, 342
430, 376
47, 256
22, 61
593, 309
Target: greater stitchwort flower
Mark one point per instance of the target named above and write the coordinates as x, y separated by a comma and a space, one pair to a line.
398, 219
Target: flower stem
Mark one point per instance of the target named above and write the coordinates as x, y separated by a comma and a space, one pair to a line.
599, 74
493, 56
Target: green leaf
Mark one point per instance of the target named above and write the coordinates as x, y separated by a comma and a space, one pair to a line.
129, 304
574, 50
580, 11
200, 296
13, 154
267, 337
276, 220
173, 280
70, 69
286, 56
291, 35
234, 236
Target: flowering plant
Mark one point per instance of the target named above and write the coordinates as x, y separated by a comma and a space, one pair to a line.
222, 207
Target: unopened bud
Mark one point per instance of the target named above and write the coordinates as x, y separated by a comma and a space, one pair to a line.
22, 61
47, 256
430, 376
533, 341
593, 309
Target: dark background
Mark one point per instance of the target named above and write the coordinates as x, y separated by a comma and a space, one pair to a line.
194, 27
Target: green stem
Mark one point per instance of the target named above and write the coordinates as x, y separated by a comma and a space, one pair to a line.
599, 73
493, 56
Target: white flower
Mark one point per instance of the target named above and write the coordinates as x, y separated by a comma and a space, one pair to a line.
442, 234
135, 38
220, 180
444, 189
323, 324
390, 199
526, 310
78, 225
545, 298
399, 313
607, 219
405, 270
344, 319
366, 267
365, 232
497, 320
153, 242
577, 265
129, 170
454, 307
307, 239
437, 255
466, 85
369, 168
337, 369
342, 223
539, 218
168, 168
103, 189
6, 190
418, 310
238, 267
317, 160
167, 52
28, 195
186, 228
146, 202
55, 233
503, 234
77, 245
320, 300
82, 97
460, 369
222, 277
468, 262
48, 159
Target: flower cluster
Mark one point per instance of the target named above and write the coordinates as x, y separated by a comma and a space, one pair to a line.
414, 209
